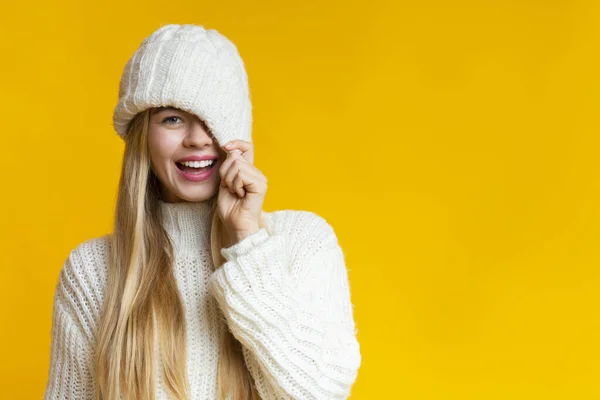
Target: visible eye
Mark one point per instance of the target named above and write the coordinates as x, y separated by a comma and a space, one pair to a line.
169, 120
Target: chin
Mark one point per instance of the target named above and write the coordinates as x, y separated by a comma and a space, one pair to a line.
196, 196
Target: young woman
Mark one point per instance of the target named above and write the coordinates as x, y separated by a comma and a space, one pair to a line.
199, 293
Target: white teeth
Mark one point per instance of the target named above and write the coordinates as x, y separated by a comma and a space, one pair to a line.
197, 164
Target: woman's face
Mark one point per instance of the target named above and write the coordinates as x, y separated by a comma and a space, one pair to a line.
173, 135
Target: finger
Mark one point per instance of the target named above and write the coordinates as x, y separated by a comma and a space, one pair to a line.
231, 157
245, 182
233, 168
238, 184
245, 173
246, 148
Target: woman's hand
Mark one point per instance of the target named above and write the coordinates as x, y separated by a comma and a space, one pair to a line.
241, 192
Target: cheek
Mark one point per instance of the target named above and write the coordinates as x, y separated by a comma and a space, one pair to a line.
162, 149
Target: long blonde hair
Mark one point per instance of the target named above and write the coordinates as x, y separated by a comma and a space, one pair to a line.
142, 291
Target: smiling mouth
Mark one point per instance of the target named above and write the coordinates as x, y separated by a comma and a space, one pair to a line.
194, 170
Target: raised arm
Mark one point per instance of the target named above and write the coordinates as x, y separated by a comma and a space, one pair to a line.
286, 298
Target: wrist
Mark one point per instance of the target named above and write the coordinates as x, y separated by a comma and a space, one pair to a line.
238, 236
241, 235
247, 245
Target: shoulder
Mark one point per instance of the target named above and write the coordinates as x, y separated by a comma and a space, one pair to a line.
296, 221
307, 232
81, 283
92, 249
87, 262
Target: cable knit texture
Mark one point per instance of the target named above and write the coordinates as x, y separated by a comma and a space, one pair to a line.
284, 293
195, 69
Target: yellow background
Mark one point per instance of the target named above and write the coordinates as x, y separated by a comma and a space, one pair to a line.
452, 145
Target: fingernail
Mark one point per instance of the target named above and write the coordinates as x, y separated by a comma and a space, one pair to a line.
228, 144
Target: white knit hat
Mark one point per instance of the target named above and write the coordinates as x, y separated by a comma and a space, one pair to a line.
194, 69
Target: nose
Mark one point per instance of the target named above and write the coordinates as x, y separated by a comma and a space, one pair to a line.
198, 134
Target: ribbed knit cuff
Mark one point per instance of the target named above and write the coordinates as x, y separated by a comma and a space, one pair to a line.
245, 245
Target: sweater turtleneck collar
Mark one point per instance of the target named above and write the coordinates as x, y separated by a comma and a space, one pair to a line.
188, 224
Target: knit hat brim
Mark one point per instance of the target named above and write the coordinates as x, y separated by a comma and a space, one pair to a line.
193, 69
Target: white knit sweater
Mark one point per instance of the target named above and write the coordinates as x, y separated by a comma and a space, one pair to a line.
287, 300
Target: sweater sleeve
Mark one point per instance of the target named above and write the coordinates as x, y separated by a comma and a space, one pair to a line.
286, 298
70, 370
